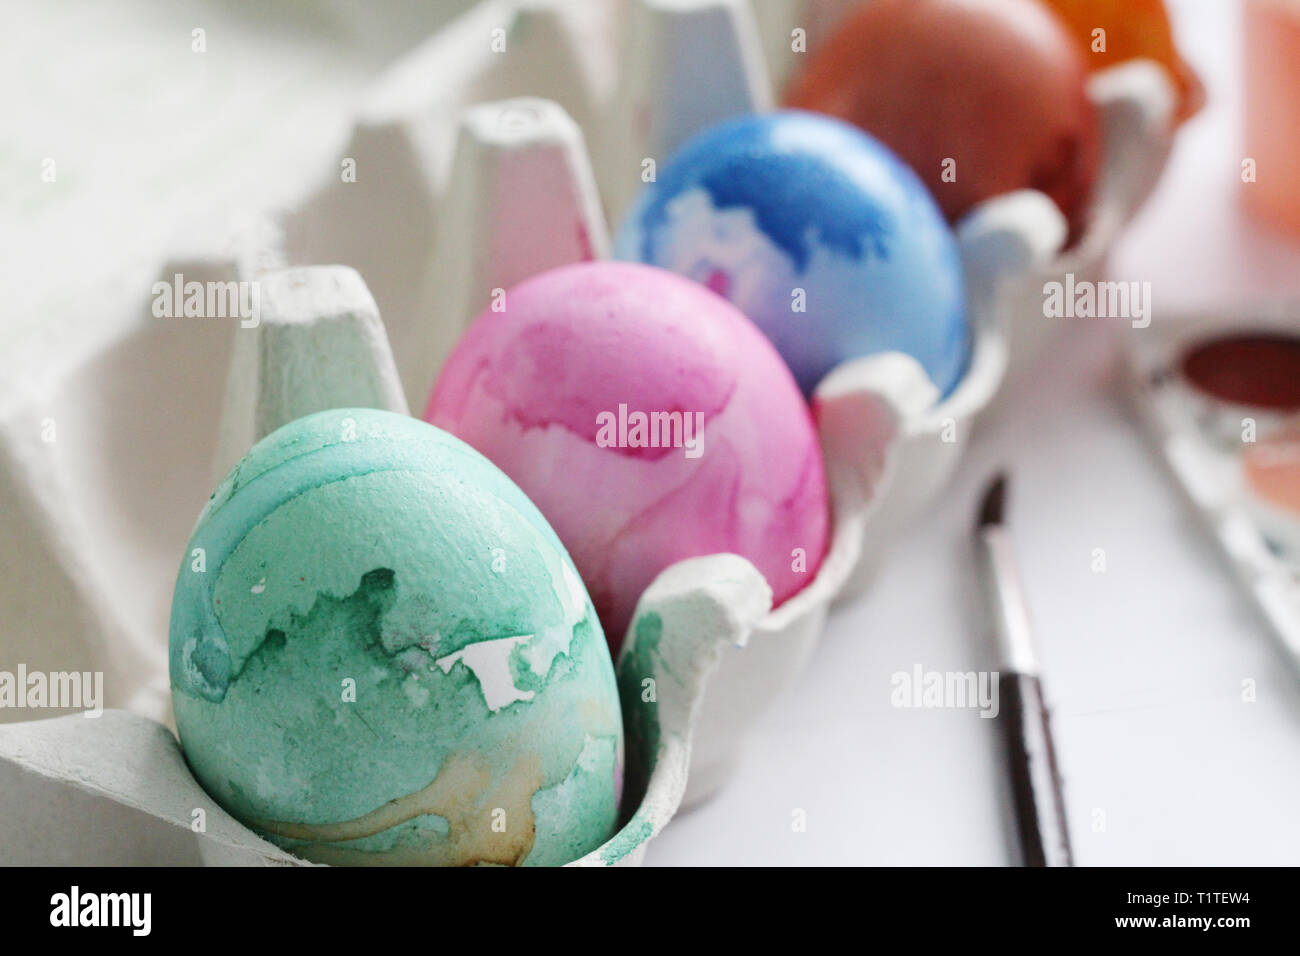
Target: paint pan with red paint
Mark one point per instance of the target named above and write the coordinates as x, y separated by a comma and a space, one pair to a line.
1220, 396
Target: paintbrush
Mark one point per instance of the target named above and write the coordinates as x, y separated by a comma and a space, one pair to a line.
1022, 716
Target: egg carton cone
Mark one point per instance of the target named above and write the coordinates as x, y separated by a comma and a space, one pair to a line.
113, 789
387, 201
314, 342
674, 51
519, 161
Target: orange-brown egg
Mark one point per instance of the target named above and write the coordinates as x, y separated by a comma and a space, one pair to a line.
980, 97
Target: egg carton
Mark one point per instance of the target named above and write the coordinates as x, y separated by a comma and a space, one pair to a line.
114, 789
491, 152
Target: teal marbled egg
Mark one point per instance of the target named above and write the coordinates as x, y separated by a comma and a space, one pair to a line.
381, 653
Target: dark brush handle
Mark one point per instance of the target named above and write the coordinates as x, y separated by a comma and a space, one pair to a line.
1035, 781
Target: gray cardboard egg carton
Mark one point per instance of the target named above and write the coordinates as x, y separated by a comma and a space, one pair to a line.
502, 146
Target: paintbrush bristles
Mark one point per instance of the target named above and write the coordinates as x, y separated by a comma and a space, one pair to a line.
993, 504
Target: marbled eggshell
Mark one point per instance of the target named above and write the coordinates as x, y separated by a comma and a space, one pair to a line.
819, 234
377, 641
995, 85
535, 388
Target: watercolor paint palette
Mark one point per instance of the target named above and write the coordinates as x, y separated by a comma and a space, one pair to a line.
1219, 393
502, 146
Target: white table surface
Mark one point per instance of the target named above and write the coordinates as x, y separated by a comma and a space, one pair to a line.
1163, 760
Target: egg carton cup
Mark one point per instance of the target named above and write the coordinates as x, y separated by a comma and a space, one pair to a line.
487, 154
454, 197
1001, 242
320, 344
115, 790
1012, 247
888, 444
1136, 103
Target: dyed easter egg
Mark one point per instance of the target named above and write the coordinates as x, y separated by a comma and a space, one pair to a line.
649, 420
1132, 29
980, 97
819, 234
380, 653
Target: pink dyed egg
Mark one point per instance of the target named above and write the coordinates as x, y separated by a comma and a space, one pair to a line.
649, 420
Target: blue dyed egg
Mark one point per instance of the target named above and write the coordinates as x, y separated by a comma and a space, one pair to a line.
819, 233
